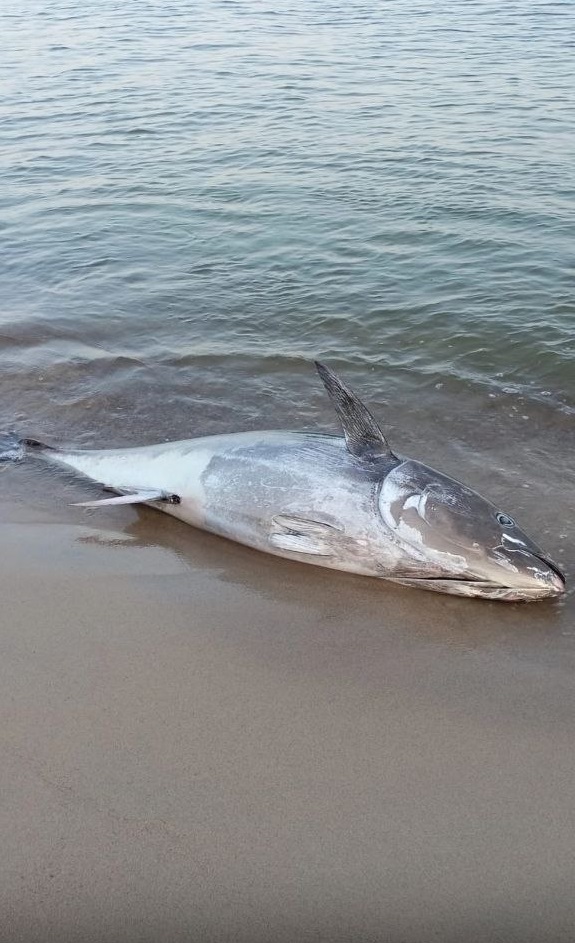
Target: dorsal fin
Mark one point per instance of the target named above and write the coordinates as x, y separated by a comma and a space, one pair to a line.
363, 436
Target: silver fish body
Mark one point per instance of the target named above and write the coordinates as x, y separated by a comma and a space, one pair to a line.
297, 495
346, 503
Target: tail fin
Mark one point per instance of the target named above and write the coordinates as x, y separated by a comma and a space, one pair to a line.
14, 449
37, 445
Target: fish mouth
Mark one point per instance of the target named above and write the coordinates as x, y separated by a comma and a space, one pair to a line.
542, 581
557, 576
473, 586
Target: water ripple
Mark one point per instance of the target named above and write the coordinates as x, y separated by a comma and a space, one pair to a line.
383, 184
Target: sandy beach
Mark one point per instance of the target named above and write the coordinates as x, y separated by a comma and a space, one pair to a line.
201, 742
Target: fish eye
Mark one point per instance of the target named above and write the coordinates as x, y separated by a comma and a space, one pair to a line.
505, 521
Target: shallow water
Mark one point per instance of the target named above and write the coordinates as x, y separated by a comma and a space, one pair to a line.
197, 200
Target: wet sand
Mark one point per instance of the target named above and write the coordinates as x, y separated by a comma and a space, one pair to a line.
204, 743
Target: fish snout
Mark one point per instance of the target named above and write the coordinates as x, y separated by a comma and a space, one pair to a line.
534, 571
549, 573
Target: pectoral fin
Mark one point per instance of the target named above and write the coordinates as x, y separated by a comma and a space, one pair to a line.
302, 535
297, 543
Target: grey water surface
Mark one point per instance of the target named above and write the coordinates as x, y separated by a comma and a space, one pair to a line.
196, 198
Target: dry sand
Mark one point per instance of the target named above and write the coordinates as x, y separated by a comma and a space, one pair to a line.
203, 743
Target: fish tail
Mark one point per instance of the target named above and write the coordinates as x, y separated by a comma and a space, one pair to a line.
37, 446
15, 449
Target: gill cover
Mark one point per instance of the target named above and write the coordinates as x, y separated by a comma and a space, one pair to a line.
437, 515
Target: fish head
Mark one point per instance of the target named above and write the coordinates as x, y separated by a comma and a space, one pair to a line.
455, 541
